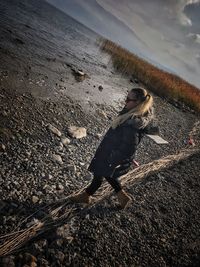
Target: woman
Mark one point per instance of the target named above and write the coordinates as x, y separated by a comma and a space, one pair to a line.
115, 153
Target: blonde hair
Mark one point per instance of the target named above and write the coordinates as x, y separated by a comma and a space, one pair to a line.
146, 100
146, 103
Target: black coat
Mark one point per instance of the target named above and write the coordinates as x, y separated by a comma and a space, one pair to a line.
118, 147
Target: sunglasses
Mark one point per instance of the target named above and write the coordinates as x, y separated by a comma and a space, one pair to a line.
130, 100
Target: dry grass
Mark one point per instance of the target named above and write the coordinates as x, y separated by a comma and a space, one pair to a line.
63, 211
158, 81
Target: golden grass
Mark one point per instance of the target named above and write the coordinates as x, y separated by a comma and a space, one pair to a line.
156, 80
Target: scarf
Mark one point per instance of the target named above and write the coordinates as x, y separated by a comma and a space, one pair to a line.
123, 116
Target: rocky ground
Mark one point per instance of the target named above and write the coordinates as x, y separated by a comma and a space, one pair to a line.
41, 163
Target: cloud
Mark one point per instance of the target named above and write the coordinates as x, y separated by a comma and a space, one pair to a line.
194, 37
179, 8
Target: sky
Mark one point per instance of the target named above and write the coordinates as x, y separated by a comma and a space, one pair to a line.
165, 32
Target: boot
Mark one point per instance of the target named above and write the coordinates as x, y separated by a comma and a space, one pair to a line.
82, 197
123, 198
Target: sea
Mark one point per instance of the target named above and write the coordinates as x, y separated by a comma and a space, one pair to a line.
40, 45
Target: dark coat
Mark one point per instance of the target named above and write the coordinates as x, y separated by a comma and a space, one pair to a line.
118, 146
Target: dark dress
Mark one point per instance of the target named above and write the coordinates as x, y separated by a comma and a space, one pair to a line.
115, 153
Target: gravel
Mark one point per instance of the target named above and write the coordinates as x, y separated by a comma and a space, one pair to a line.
160, 228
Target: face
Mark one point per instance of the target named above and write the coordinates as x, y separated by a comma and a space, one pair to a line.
131, 101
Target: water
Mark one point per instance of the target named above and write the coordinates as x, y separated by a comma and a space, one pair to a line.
38, 46
46, 31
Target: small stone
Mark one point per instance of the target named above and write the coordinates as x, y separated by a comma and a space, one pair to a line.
37, 248
136, 81
78, 174
35, 199
100, 88
49, 176
98, 135
161, 177
65, 141
88, 177
28, 153
60, 148
39, 193
59, 242
102, 114
81, 73
54, 130
60, 256
44, 262
4, 113
71, 167
63, 231
61, 145
40, 244
77, 132
47, 188
57, 158
60, 187
3, 147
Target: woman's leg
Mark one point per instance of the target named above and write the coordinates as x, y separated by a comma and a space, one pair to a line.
113, 181
95, 184
122, 196
84, 197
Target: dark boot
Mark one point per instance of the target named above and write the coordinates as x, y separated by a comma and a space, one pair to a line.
82, 197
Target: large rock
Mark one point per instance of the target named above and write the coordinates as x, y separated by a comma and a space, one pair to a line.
54, 130
77, 132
